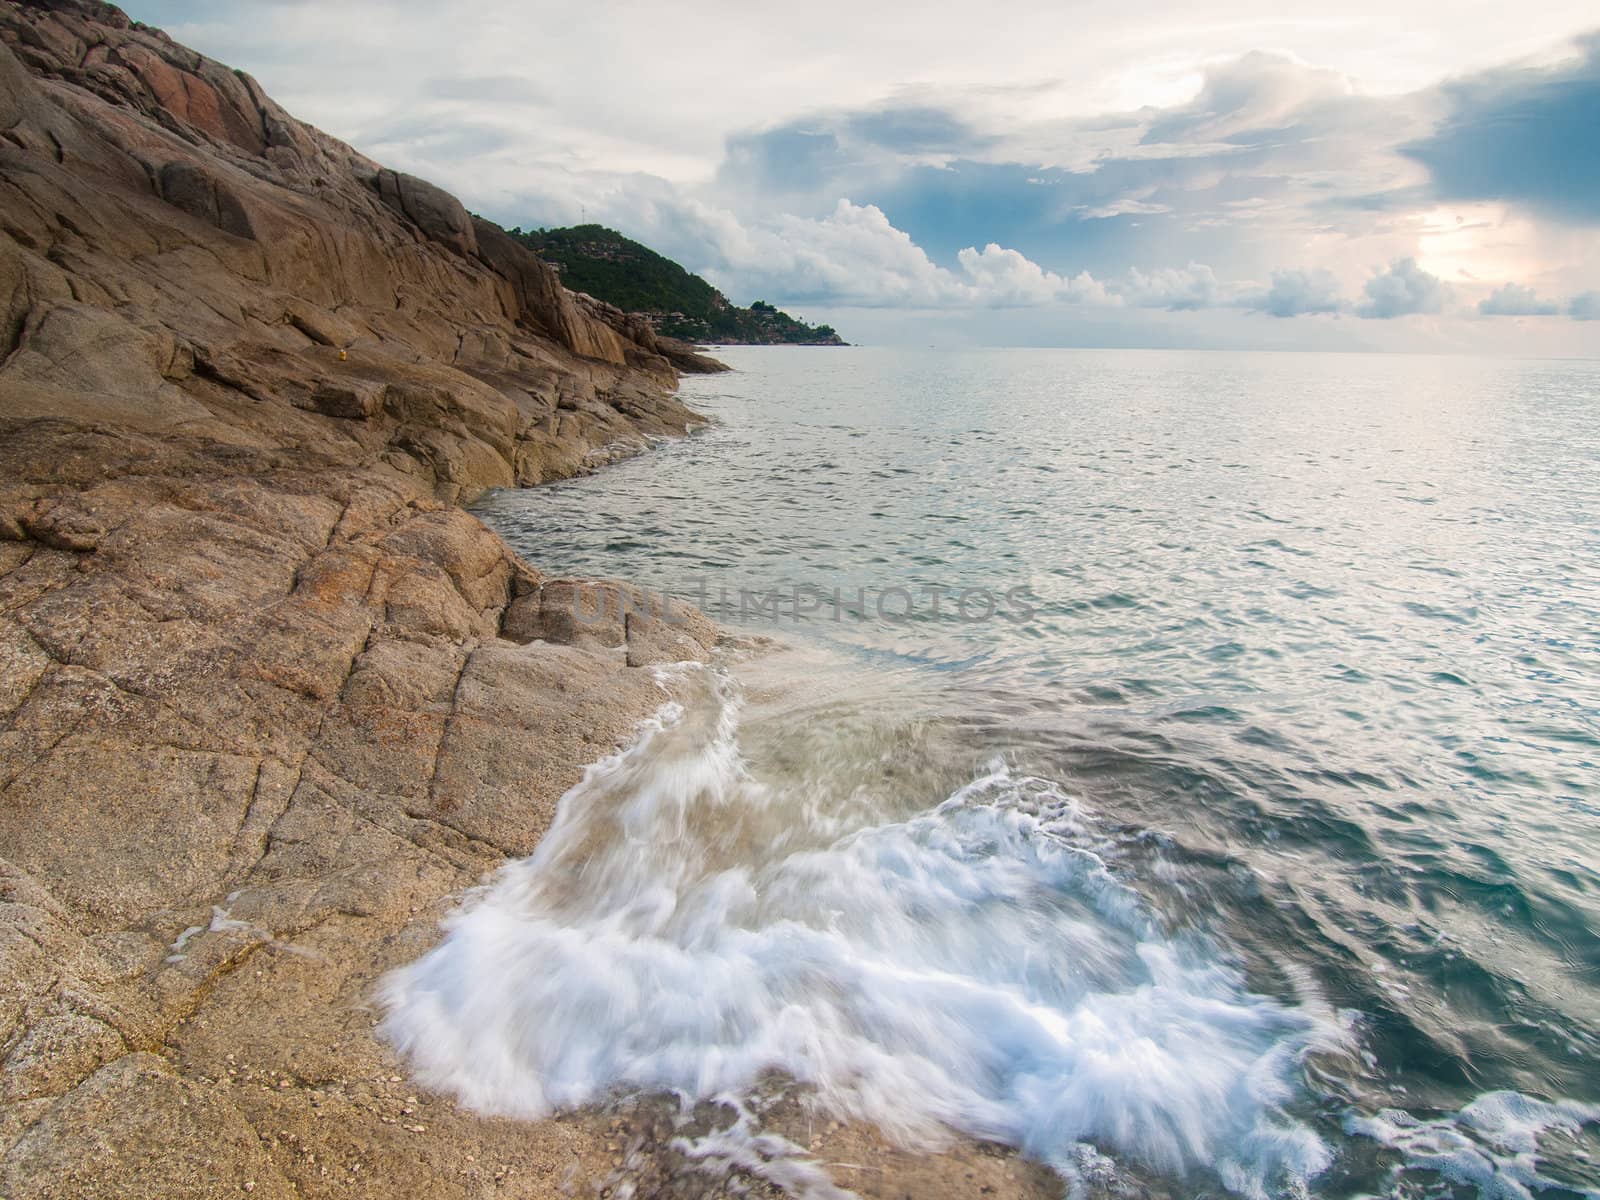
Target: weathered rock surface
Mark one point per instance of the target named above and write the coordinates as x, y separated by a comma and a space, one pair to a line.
267, 701
180, 254
258, 721
260, 724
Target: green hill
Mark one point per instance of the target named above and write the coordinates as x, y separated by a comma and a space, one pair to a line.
635, 278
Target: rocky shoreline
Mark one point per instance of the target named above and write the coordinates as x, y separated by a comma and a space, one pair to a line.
269, 702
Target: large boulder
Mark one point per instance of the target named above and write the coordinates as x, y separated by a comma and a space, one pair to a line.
200, 193
433, 210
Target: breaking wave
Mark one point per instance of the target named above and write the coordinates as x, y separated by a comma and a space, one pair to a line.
975, 966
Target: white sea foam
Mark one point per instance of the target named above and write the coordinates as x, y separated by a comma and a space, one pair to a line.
1491, 1145
686, 927
743, 1146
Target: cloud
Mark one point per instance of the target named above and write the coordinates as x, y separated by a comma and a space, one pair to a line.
1004, 277
918, 129
1176, 289
1033, 169
1297, 292
1402, 290
1516, 300
791, 159
1240, 100
856, 256
1124, 207
1528, 135
853, 255
1585, 307
436, 138
496, 89
1269, 156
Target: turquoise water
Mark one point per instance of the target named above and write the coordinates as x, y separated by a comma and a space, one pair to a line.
1301, 651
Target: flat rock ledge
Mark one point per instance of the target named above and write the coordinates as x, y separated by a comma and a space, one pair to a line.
262, 723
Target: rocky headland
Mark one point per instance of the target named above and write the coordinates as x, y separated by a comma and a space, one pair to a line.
600, 262
269, 701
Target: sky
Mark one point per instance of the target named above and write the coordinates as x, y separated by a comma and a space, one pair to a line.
1405, 175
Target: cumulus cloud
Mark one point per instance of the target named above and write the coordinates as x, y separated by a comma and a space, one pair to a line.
1516, 300
1295, 292
1005, 276
854, 255
1178, 289
1585, 307
1402, 290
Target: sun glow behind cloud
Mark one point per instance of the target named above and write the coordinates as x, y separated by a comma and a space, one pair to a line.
1476, 242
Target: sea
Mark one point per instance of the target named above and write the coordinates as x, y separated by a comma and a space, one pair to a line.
1179, 766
